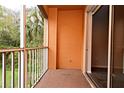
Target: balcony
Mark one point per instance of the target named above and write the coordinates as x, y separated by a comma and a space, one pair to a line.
82, 48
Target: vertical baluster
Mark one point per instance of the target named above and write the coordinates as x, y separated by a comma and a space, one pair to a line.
32, 67
25, 68
35, 65
39, 62
47, 57
3, 70
13, 68
28, 69
42, 60
19, 69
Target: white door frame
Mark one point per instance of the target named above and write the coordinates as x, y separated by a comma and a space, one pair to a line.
90, 10
109, 47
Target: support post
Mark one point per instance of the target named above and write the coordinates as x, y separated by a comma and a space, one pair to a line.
23, 44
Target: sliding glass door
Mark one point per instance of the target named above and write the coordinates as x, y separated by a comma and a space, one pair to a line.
118, 48
106, 59
99, 53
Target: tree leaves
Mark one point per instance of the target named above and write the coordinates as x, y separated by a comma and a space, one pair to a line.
9, 28
34, 28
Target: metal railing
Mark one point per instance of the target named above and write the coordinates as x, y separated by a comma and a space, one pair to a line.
35, 65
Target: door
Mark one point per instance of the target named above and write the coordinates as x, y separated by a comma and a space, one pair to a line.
70, 39
118, 48
99, 45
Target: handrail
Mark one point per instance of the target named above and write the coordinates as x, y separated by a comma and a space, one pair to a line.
36, 48
11, 50
20, 49
34, 61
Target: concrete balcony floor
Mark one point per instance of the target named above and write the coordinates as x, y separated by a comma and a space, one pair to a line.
63, 78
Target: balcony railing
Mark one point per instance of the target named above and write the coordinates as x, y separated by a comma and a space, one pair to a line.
35, 65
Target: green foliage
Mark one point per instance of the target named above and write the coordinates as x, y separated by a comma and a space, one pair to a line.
34, 28
9, 28
9, 32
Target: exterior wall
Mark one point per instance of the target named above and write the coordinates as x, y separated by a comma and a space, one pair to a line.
52, 42
74, 37
70, 39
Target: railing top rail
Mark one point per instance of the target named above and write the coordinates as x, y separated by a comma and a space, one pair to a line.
19, 49
36, 48
11, 50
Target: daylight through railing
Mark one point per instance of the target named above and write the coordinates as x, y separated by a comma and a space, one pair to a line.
10, 74
37, 64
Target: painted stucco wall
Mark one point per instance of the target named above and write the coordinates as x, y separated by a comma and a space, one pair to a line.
52, 37
70, 39
65, 38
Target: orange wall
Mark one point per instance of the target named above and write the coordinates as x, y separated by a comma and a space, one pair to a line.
73, 32
70, 39
52, 43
